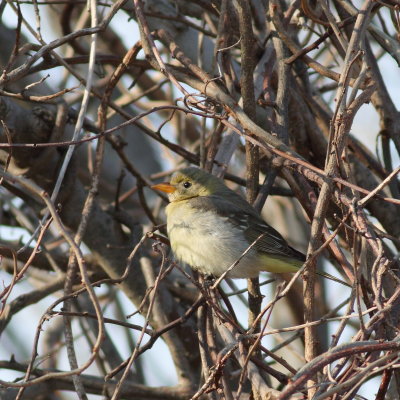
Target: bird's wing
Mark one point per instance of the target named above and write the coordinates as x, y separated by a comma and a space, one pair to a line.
243, 216
269, 240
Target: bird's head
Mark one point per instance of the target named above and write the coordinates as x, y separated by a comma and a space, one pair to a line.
191, 182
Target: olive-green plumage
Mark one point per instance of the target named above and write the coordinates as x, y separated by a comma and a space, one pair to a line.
210, 227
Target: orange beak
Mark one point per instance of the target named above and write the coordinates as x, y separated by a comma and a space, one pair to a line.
164, 187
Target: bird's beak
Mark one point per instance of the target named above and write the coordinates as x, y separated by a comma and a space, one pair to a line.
164, 187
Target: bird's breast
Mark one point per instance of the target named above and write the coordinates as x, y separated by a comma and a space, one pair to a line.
208, 242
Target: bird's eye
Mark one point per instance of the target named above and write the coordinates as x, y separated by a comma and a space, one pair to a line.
187, 184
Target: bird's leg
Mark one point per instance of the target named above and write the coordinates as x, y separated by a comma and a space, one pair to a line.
208, 281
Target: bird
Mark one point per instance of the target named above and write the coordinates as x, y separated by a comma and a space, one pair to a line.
213, 229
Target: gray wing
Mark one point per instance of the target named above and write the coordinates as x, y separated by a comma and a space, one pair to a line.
243, 216
271, 241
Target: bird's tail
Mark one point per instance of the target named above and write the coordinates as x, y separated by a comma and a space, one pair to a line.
332, 278
279, 265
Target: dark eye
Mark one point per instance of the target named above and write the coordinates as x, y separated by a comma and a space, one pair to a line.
187, 184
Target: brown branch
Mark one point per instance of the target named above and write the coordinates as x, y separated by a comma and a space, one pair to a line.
341, 351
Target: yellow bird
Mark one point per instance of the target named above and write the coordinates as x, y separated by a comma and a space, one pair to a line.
210, 227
